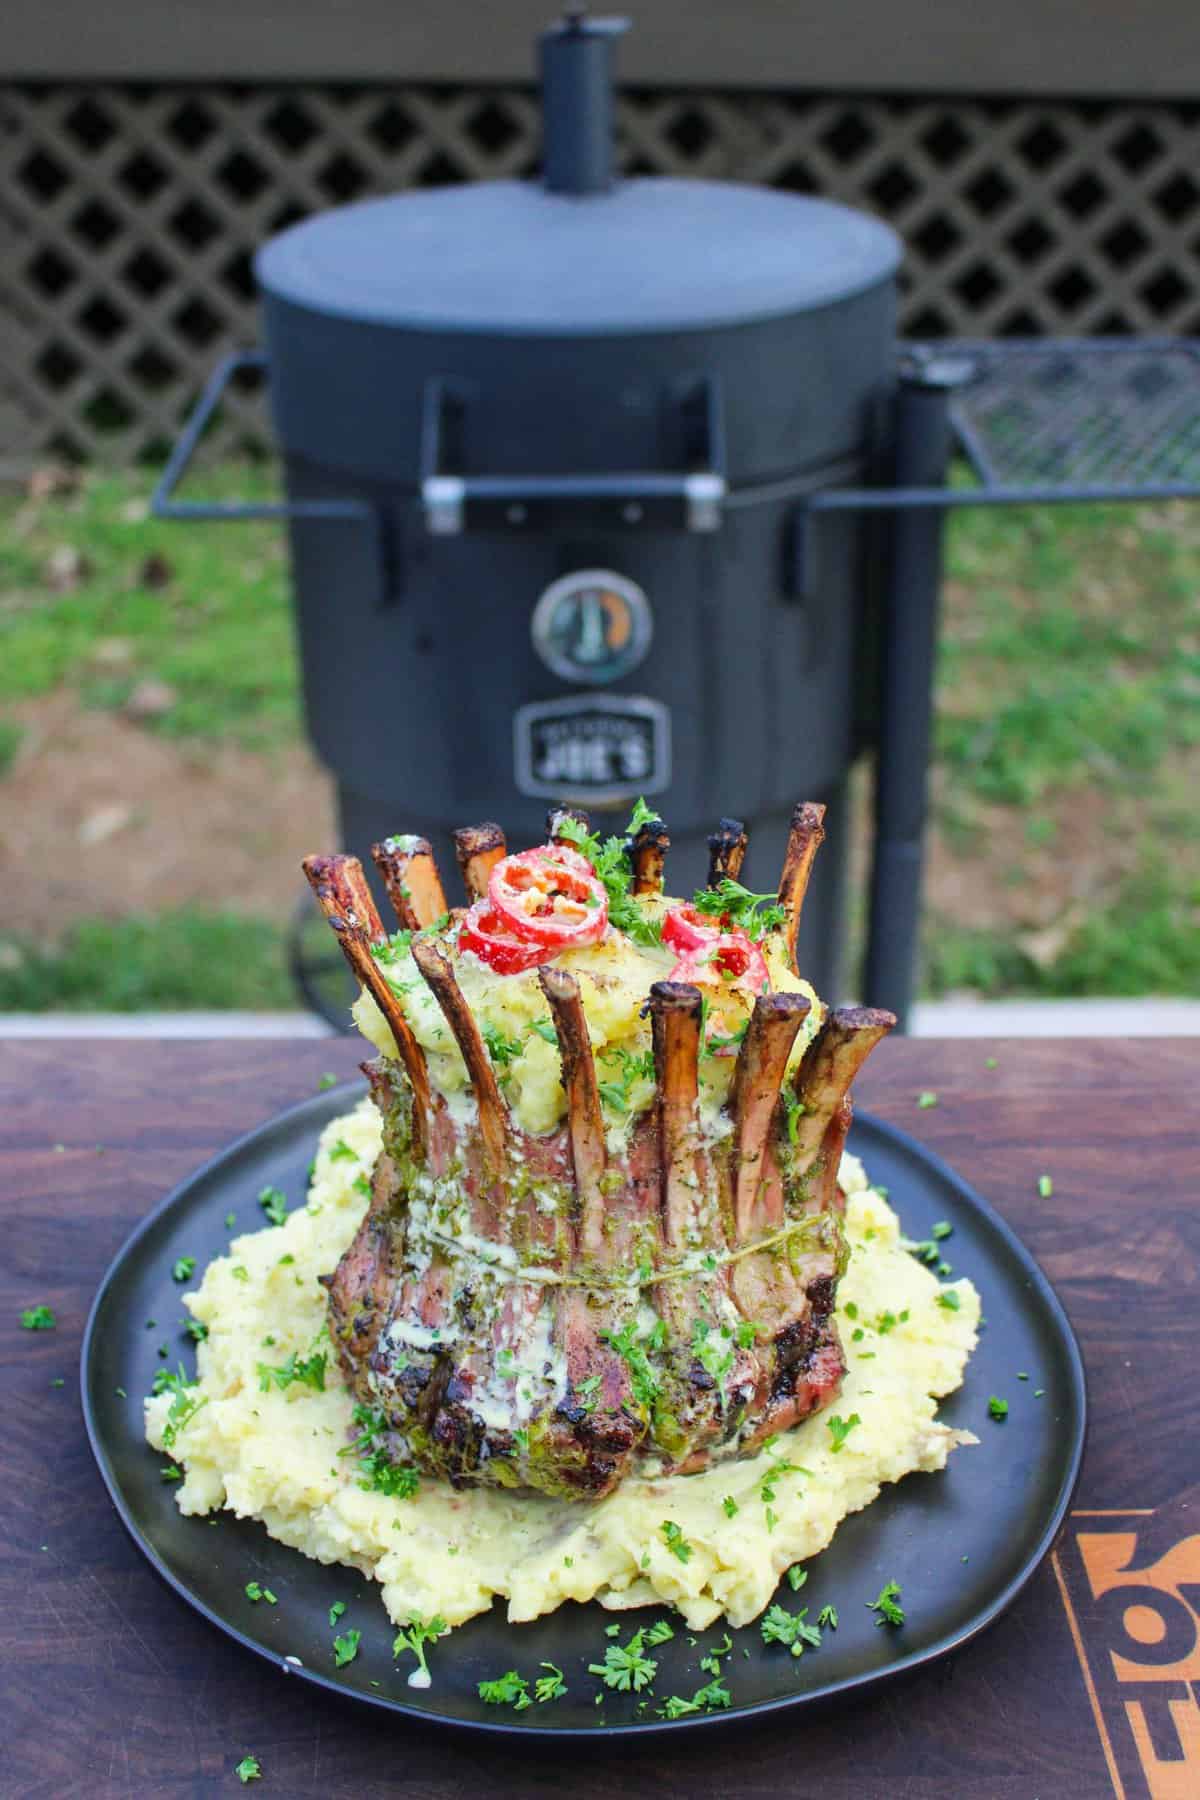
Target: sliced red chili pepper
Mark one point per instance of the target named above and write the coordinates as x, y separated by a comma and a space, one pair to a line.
730, 956
485, 934
687, 929
550, 897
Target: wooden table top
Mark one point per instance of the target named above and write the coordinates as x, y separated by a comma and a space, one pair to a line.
1090, 1684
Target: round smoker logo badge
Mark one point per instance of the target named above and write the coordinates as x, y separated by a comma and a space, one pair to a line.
592, 626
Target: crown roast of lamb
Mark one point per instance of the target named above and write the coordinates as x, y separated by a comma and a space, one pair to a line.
604, 1232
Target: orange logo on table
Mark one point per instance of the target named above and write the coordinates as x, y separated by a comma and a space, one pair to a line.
1130, 1582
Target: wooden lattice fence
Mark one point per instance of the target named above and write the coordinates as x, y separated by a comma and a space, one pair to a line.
130, 214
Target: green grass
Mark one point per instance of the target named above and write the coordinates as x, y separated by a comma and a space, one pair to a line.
1078, 656
219, 631
188, 957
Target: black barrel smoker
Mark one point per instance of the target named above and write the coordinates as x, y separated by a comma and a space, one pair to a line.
554, 453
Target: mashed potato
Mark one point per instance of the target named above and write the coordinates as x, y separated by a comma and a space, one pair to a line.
614, 977
274, 1456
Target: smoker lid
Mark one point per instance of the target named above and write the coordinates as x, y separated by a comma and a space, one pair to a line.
509, 257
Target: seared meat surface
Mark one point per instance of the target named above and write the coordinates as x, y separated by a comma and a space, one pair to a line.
556, 1313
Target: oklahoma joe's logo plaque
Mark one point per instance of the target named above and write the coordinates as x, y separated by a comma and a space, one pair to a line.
594, 747
1130, 1584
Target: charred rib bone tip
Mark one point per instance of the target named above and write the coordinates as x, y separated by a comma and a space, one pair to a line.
647, 852
342, 894
411, 877
726, 851
478, 849
865, 1018
674, 996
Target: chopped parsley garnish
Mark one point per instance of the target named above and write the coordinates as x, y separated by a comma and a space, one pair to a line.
544, 1028
886, 1604
634, 1067
746, 1334
755, 914
797, 1576
840, 1429
643, 1382
949, 1299
1045, 1186
419, 1633
794, 1110
196, 1329
240, 1272
608, 857
990, 1062
675, 1541
340, 1151
326, 1081
661, 1632
779, 1626
249, 1769
274, 1204
501, 1049
362, 1186
926, 1100
336, 1611
730, 1506
710, 1662
716, 1694
171, 1472
345, 1648
183, 1268
230, 1221
184, 1406
712, 1348
256, 1593
943, 1229
38, 1318
551, 1685
509, 1689
308, 1370
998, 1408
827, 1618
377, 1473
624, 1666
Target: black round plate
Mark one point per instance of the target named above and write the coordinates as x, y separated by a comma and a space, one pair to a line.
961, 1544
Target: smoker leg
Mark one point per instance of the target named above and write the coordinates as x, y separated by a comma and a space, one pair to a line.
923, 441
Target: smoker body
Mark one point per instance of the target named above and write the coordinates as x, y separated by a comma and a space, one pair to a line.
564, 369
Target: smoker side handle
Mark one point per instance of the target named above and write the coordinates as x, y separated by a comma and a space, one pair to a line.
164, 505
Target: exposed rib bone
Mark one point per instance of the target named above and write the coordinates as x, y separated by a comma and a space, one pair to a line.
761, 1063
345, 899
554, 820
584, 1120
493, 1115
411, 877
478, 848
726, 851
831, 1062
647, 853
804, 840
675, 1024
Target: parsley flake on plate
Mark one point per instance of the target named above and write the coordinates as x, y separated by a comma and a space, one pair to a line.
625, 1667
509, 1689
779, 1626
345, 1648
249, 1769
38, 1318
887, 1605
255, 1593
416, 1635
926, 1100
551, 1685
997, 1408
